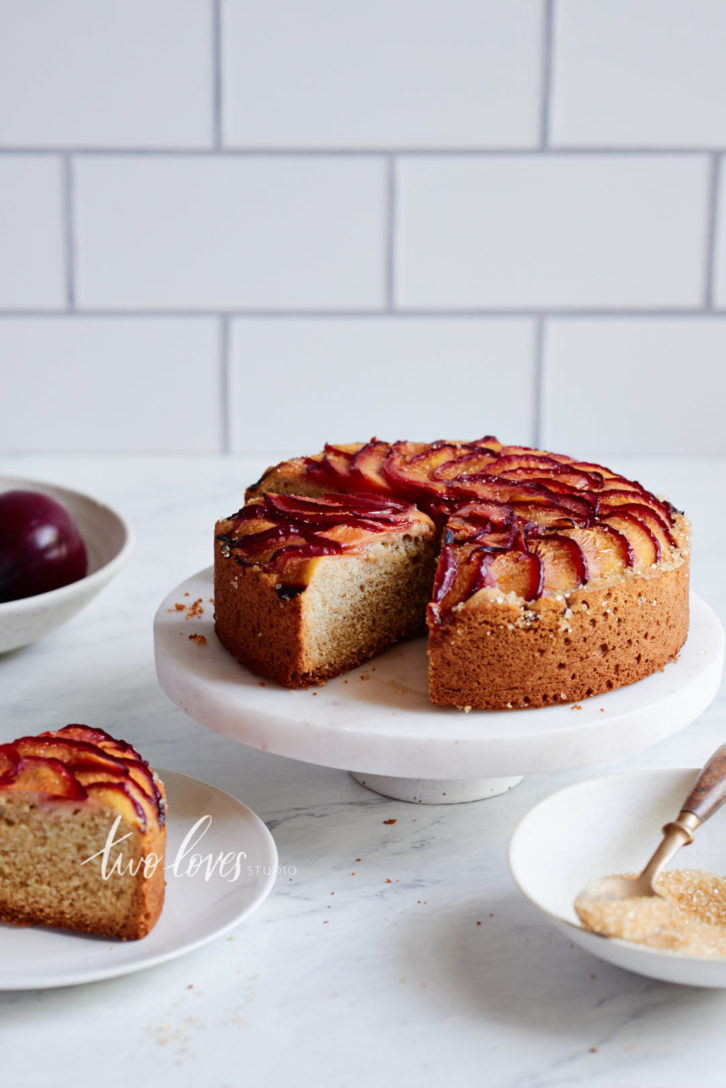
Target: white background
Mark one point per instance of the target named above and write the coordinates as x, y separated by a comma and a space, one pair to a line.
234, 225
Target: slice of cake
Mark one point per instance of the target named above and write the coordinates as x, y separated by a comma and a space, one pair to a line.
82, 834
306, 588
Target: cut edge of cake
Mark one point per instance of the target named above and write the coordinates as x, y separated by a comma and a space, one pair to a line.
335, 613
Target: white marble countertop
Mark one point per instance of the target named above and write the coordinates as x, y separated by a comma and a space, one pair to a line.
420, 963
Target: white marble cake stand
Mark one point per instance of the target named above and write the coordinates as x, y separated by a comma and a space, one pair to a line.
377, 722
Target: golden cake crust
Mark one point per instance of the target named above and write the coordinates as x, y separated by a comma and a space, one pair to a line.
261, 631
500, 654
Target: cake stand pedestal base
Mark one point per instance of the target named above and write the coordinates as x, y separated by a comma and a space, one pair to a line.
436, 791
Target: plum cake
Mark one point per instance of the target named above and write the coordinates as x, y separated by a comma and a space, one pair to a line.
82, 834
554, 579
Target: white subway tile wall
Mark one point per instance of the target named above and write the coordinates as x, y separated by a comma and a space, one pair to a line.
32, 268
639, 73
382, 73
553, 231
80, 73
229, 225
659, 378
382, 376
229, 232
104, 384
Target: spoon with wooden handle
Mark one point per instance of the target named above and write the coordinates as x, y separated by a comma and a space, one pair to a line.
706, 797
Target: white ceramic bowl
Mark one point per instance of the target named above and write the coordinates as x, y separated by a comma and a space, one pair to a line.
108, 539
612, 825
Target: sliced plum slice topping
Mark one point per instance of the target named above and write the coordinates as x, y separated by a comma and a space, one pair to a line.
518, 519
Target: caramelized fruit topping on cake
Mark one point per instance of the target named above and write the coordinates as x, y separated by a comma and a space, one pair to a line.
544, 524
275, 530
519, 520
82, 764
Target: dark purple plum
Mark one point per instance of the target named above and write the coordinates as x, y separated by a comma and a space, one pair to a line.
40, 545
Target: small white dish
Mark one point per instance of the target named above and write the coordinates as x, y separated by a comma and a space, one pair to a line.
109, 540
195, 912
607, 826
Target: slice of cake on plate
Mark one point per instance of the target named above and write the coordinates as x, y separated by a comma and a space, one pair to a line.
82, 834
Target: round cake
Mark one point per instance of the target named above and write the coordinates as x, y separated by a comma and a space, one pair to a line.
541, 579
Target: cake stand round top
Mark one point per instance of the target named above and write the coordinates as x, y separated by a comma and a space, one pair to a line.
378, 719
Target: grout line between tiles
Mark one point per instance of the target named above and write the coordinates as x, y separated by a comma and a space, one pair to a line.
68, 227
534, 151
391, 214
694, 312
547, 69
712, 218
217, 74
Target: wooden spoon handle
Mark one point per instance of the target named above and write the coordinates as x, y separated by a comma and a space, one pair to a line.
709, 791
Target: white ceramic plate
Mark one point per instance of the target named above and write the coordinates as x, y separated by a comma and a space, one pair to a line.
195, 910
612, 825
378, 719
109, 540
